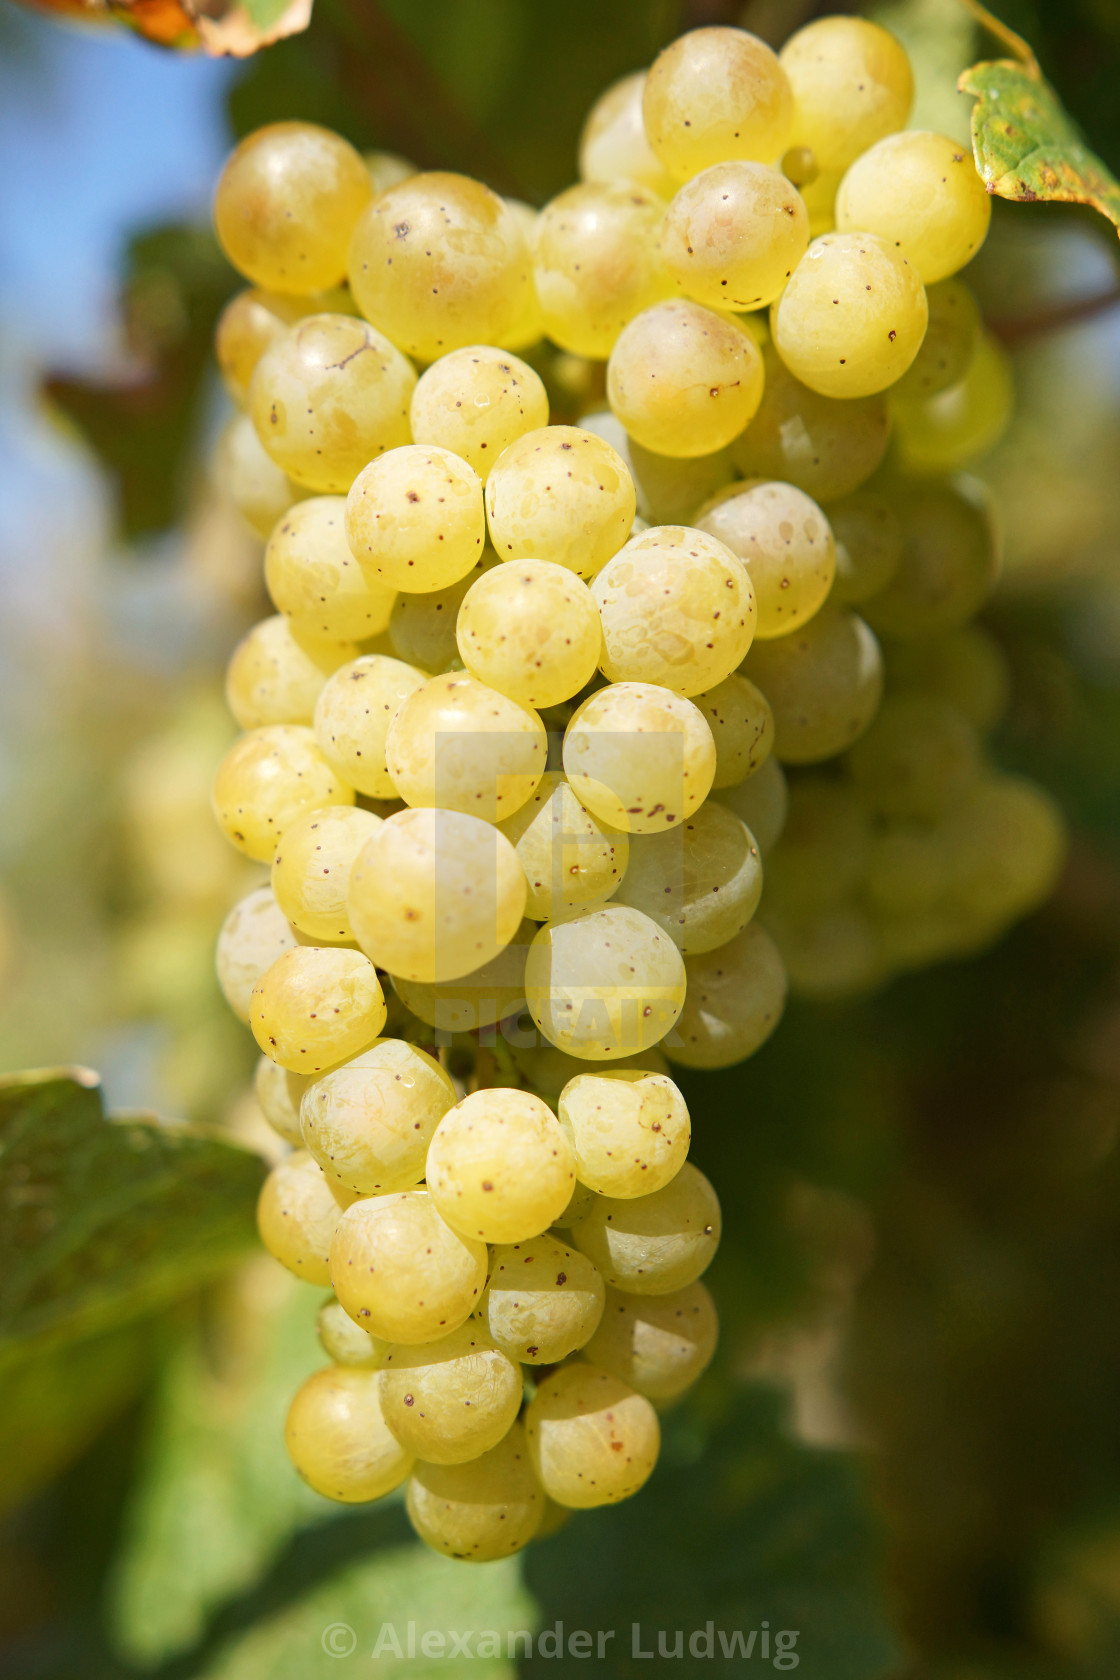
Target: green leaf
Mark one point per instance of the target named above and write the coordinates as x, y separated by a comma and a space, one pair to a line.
1026, 147
102, 1221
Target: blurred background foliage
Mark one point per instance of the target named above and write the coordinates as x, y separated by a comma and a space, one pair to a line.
908, 1448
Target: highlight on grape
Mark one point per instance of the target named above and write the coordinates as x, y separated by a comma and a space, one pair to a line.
572, 749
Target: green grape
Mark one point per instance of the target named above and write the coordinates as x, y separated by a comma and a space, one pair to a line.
851, 83
352, 717
629, 1130
596, 264
949, 345
826, 844
683, 380
742, 725
823, 682
613, 145
868, 546
463, 746
476, 402
345, 1343
530, 629
260, 490
760, 802
415, 518
962, 423
676, 609
401, 1272
452, 1400
920, 757
657, 1345
422, 627
922, 193
477, 1000
852, 318
592, 1440
906, 871
267, 779
640, 786
386, 169
604, 983
317, 1005
786, 544
278, 1093
368, 1123
832, 953
248, 324
825, 447
275, 676
439, 262
734, 234
653, 1244
311, 870
253, 935
1006, 845
734, 1001
338, 1440
499, 1166
314, 579
967, 667
544, 1300
476, 1512
716, 94
435, 894
571, 860
286, 205
322, 408
296, 1216
560, 494
949, 560
700, 882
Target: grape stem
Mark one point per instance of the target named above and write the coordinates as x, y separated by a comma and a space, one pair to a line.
1022, 329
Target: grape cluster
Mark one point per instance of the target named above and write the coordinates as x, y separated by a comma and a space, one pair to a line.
514, 739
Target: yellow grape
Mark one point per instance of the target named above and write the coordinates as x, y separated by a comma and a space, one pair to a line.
742, 725
823, 682
639, 757
476, 402
452, 1400
490, 993
311, 869
786, 544
344, 1343
921, 192
949, 564
593, 1440
571, 860
683, 380
278, 1093
920, 757
962, 423
368, 1123
560, 494
735, 999
401, 1272
246, 327
462, 746
476, 1512
613, 145
315, 1006
760, 802
415, 518
352, 717
329, 395
286, 204
544, 1300
604, 983
868, 546
530, 629
716, 94
734, 234
260, 490
439, 262
949, 345
422, 627
499, 1167
338, 1440
435, 894
824, 446
314, 579
676, 608
267, 779
275, 676
653, 1244
852, 318
701, 881
852, 84
253, 935
659, 1345
596, 264
629, 1130
297, 1212
386, 169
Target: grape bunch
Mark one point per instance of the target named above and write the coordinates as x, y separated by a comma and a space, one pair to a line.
516, 739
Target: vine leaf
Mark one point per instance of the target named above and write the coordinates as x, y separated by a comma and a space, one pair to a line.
222, 28
1026, 146
103, 1221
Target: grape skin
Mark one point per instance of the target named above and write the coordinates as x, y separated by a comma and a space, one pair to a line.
604, 983
921, 192
450, 1401
344, 1343
253, 935
315, 1006
355, 707
683, 380
544, 1300
415, 518
476, 1512
592, 1440
613, 145
490, 993
369, 1122
278, 1092
267, 779
658, 1345
657, 1243
297, 1213
499, 1166
461, 746
401, 1272
529, 517
851, 83
338, 1440
823, 682
826, 447
571, 860
629, 1130
260, 490
761, 803
530, 629
475, 402
716, 94
736, 996
314, 579
787, 546
311, 870
640, 757
701, 882
742, 725
734, 234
